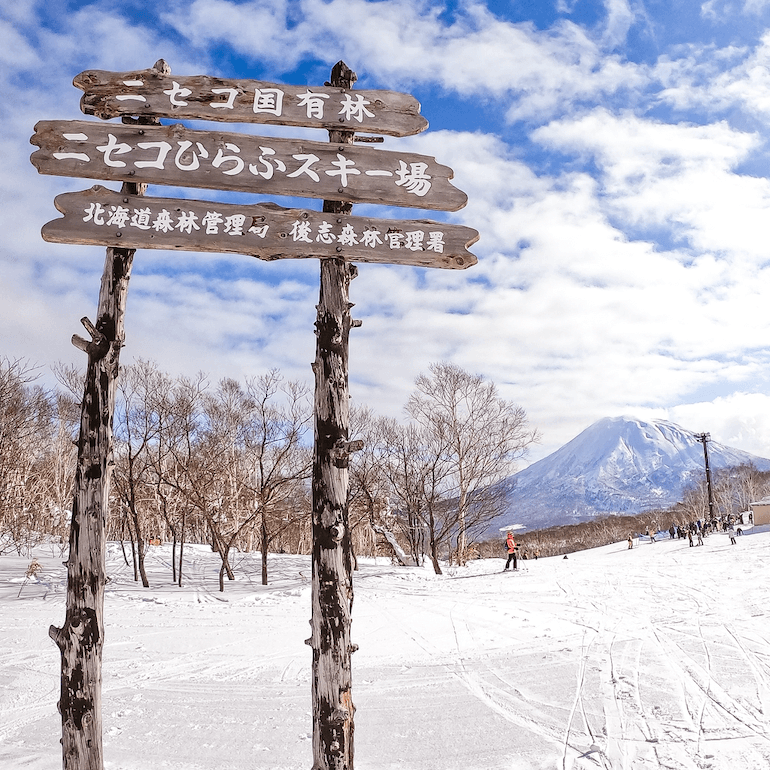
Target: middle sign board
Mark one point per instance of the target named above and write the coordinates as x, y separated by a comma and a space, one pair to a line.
182, 157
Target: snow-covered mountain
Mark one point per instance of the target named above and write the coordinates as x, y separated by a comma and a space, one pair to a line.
617, 465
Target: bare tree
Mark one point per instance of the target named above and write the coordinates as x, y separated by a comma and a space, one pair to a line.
481, 436
136, 427
418, 471
278, 463
58, 469
695, 498
752, 485
236, 457
407, 463
205, 462
370, 489
179, 425
733, 490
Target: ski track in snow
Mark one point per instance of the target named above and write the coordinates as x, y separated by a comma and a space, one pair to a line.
613, 659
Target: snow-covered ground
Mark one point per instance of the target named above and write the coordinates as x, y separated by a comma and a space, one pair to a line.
653, 658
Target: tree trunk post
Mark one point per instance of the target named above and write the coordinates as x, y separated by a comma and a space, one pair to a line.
332, 588
264, 544
81, 639
181, 547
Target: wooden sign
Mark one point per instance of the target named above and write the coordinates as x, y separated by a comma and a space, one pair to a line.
151, 93
102, 217
178, 156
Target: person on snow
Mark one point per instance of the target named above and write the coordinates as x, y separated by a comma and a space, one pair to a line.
630, 542
731, 532
510, 544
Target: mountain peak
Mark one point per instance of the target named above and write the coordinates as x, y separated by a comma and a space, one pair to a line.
616, 465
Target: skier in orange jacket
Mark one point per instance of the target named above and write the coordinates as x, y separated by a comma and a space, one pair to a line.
511, 545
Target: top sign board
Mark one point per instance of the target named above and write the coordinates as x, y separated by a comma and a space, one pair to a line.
151, 93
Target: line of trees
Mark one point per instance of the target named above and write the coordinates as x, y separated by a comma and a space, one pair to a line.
229, 464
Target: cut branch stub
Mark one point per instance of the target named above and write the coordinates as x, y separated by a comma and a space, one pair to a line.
99, 344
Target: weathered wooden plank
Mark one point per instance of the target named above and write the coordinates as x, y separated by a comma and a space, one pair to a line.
146, 92
179, 156
104, 217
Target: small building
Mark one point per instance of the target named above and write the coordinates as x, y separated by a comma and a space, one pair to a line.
761, 510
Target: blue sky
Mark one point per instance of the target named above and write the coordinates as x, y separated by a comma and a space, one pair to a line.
615, 155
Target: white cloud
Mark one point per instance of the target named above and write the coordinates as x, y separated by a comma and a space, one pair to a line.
403, 42
722, 11
677, 177
715, 80
14, 49
579, 315
620, 18
739, 420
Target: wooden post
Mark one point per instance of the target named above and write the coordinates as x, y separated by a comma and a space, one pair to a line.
332, 590
81, 639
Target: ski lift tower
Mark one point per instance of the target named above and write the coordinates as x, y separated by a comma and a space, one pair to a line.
704, 438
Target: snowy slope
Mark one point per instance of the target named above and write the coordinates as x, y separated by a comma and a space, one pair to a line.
619, 650
617, 465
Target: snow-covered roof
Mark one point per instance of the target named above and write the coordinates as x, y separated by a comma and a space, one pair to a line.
766, 501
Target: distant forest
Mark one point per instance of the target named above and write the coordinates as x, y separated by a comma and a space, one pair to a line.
229, 464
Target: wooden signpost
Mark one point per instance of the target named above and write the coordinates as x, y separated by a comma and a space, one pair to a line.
138, 153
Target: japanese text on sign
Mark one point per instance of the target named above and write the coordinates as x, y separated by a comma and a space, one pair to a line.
214, 223
148, 92
187, 156
352, 107
175, 155
100, 216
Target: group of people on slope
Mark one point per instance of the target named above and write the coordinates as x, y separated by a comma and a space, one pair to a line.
702, 527
695, 531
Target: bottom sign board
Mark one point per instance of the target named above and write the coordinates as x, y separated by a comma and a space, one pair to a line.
103, 217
